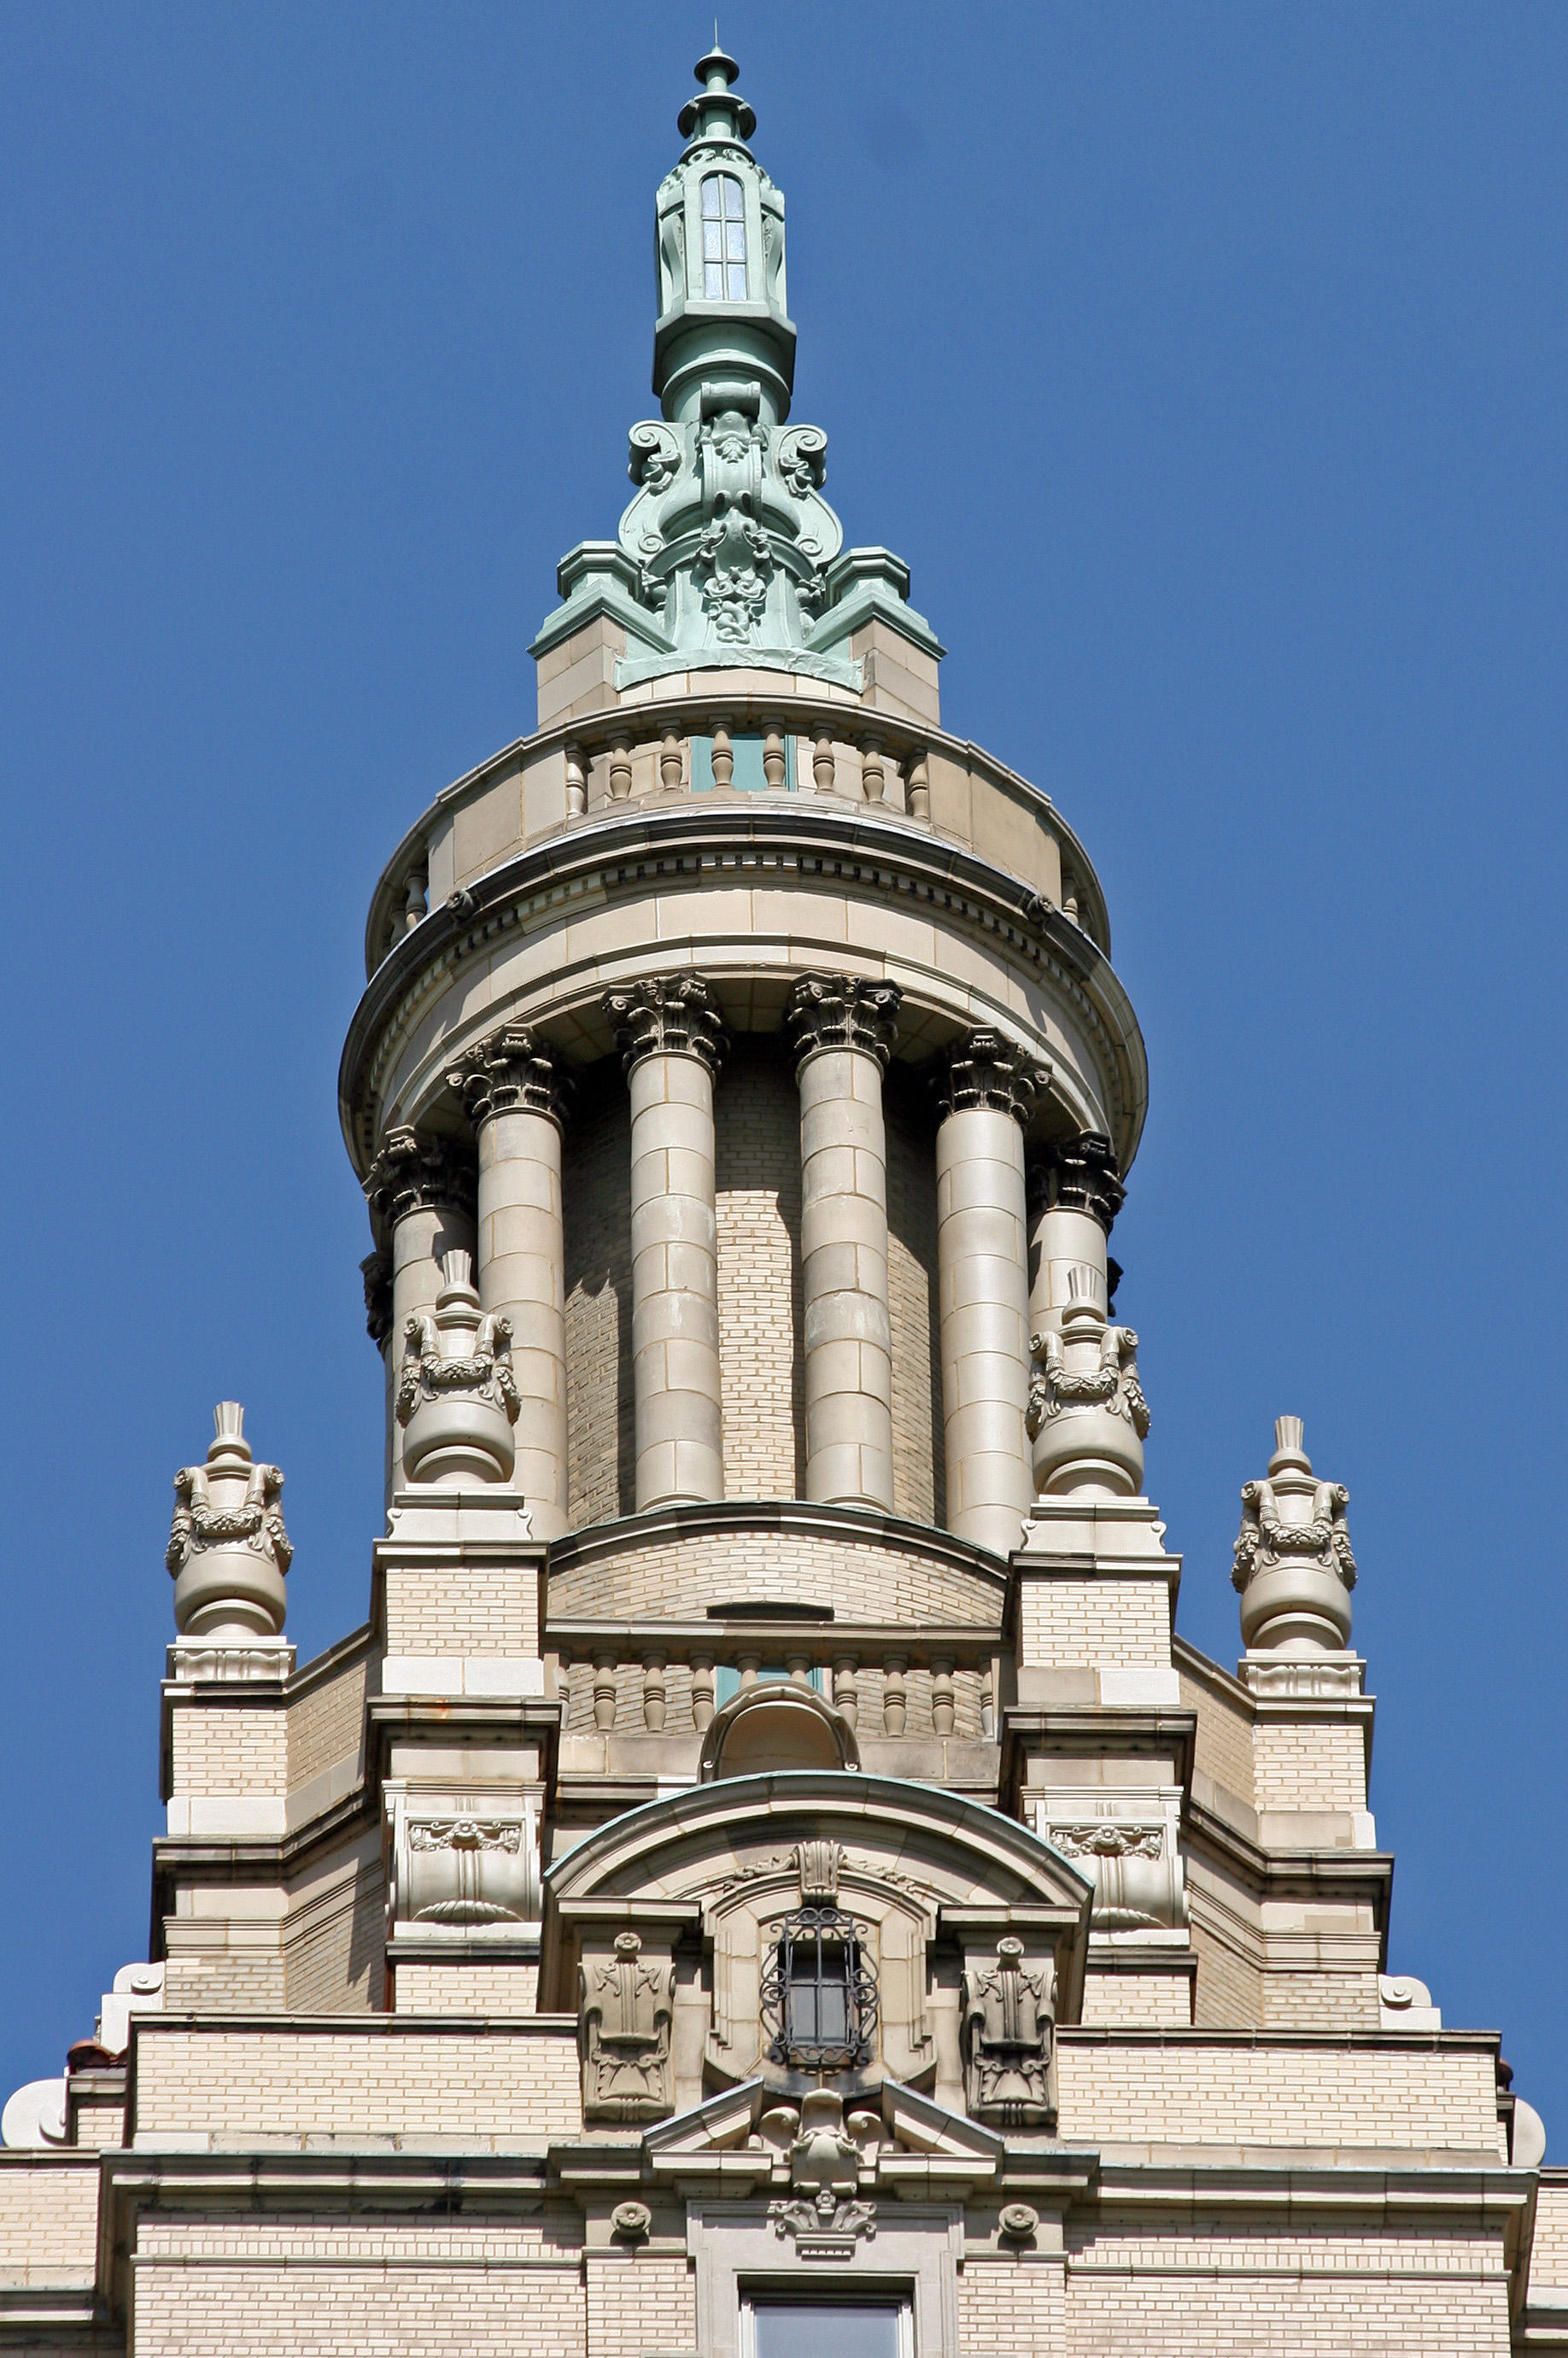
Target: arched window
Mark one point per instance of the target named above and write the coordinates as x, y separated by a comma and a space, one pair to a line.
723, 238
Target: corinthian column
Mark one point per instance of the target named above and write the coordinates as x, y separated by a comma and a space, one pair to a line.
670, 1039
842, 1031
1074, 1195
514, 1092
421, 1195
983, 1288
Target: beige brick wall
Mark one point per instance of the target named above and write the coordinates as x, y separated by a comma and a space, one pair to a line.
919, 1487
1013, 2304
1110, 1998
1185, 2088
861, 1579
1126, 1622
464, 1988
266, 2087
639, 2301
1295, 2000
1229, 1984
756, 1110
48, 2220
1549, 2252
1309, 1765
326, 1723
229, 1748
597, 1200
1217, 2293
1223, 1747
465, 1608
334, 1937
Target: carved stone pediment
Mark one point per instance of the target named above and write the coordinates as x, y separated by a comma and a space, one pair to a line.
814, 2158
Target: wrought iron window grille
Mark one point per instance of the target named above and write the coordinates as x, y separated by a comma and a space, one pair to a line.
819, 1992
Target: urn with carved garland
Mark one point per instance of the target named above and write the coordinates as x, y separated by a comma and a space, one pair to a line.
1292, 1561
227, 1549
1087, 1417
456, 1400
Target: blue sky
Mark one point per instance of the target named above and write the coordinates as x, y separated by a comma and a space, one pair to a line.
1205, 365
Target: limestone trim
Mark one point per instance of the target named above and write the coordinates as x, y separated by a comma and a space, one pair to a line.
842, 1011
668, 1015
988, 1072
512, 1071
660, 848
414, 1172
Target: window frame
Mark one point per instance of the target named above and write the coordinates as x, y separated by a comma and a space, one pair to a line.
899, 2301
726, 263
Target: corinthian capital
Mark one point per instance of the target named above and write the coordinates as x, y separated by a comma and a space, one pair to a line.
513, 1071
1078, 1175
987, 1071
669, 1015
412, 1174
842, 1011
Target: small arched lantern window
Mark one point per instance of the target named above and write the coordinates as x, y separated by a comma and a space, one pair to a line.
723, 238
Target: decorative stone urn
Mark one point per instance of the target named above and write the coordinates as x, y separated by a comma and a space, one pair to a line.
228, 1550
1292, 1560
457, 1402
1088, 1416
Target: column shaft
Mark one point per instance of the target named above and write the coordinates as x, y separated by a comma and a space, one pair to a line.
1074, 1195
672, 1043
983, 1291
842, 1033
513, 1090
422, 1191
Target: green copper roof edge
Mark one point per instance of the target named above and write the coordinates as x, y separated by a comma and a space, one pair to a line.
806, 662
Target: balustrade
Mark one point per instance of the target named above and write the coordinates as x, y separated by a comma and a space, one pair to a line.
624, 1689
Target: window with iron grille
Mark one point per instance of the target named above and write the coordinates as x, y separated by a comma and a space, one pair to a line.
819, 1992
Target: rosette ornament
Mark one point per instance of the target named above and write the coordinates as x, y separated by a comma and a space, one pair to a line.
228, 1550
456, 1399
1292, 1560
1087, 1417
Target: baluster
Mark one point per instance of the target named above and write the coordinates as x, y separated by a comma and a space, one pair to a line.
774, 763
799, 1668
620, 769
824, 766
577, 782
942, 1700
917, 785
873, 784
988, 1699
895, 1695
846, 1690
414, 898
653, 1694
672, 768
1070, 895
723, 755
701, 1691
747, 1666
604, 1692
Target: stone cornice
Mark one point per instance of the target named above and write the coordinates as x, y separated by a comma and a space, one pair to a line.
805, 837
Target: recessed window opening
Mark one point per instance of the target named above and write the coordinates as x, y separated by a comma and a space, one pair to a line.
723, 238
828, 2329
819, 1994
749, 776
726, 1680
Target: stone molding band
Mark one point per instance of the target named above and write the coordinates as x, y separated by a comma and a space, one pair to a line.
842, 1011
668, 1015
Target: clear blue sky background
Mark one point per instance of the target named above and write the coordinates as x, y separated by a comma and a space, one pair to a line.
1204, 362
